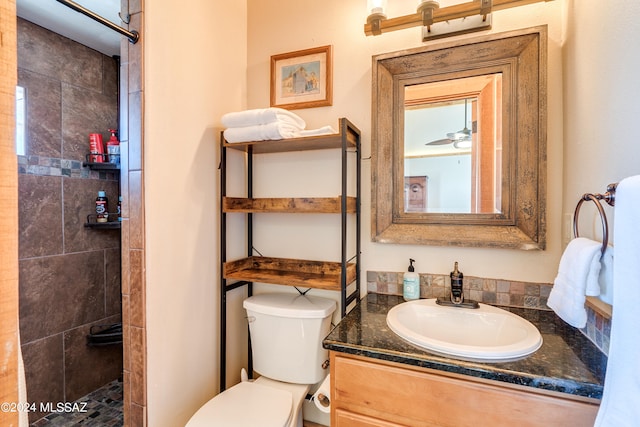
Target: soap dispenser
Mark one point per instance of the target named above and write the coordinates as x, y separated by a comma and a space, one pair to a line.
457, 295
411, 283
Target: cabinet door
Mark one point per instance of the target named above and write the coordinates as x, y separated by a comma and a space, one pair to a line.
421, 397
350, 419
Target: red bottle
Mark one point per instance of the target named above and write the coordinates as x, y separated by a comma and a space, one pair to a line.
113, 148
96, 148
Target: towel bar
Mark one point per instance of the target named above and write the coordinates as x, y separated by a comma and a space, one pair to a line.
608, 197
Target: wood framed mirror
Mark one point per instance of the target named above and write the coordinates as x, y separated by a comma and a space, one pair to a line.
486, 182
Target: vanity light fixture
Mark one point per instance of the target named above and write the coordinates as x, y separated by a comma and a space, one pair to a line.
376, 9
438, 22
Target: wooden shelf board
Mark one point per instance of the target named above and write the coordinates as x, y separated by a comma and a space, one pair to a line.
319, 142
290, 272
600, 307
287, 205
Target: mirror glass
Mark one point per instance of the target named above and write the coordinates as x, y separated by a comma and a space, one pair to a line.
453, 146
459, 143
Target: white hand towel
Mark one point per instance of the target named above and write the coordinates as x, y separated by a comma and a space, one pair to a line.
262, 116
275, 130
606, 276
620, 406
577, 276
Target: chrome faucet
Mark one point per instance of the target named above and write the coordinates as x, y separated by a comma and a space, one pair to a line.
456, 296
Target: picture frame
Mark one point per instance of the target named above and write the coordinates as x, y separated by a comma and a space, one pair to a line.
302, 79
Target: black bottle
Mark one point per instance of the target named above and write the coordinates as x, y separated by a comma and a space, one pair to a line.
456, 283
102, 208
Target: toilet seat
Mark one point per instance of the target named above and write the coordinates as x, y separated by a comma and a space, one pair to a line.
246, 404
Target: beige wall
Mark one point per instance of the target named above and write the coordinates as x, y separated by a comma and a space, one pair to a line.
194, 68
278, 26
601, 111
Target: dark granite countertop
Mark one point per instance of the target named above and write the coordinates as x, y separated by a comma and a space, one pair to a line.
567, 362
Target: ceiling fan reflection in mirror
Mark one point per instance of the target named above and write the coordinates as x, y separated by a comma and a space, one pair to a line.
460, 139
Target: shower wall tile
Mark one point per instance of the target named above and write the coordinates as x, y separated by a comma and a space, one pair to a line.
135, 55
88, 368
126, 397
133, 244
110, 70
44, 367
138, 375
60, 292
124, 55
135, 131
44, 111
138, 415
137, 293
40, 215
113, 291
124, 102
79, 201
135, 6
124, 178
126, 335
125, 280
53, 55
136, 213
85, 111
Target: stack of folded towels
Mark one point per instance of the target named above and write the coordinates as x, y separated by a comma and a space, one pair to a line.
266, 124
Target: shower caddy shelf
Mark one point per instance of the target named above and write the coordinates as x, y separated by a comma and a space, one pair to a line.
333, 276
103, 335
103, 166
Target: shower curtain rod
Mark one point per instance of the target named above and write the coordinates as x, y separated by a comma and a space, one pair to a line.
133, 36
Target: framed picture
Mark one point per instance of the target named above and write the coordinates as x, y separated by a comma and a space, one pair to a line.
302, 79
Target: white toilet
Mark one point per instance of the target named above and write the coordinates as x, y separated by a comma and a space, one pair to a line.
286, 340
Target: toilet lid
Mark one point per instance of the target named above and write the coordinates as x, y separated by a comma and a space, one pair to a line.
245, 405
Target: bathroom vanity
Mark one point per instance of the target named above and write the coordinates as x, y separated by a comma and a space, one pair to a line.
378, 379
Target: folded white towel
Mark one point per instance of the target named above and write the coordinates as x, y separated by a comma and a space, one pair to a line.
577, 276
324, 130
262, 116
275, 130
619, 407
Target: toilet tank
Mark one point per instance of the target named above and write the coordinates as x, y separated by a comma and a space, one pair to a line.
286, 335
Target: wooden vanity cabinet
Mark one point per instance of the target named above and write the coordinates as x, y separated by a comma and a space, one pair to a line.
368, 392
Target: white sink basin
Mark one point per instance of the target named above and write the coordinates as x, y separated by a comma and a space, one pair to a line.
486, 333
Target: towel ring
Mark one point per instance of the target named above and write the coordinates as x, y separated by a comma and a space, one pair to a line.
603, 217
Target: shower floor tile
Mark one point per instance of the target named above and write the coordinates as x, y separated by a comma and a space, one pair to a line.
100, 408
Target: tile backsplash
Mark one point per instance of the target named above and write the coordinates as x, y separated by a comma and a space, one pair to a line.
490, 291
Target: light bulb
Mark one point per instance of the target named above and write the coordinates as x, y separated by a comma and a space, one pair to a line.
430, 2
377, 8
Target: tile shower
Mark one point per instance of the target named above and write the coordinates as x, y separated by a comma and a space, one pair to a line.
69, 275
